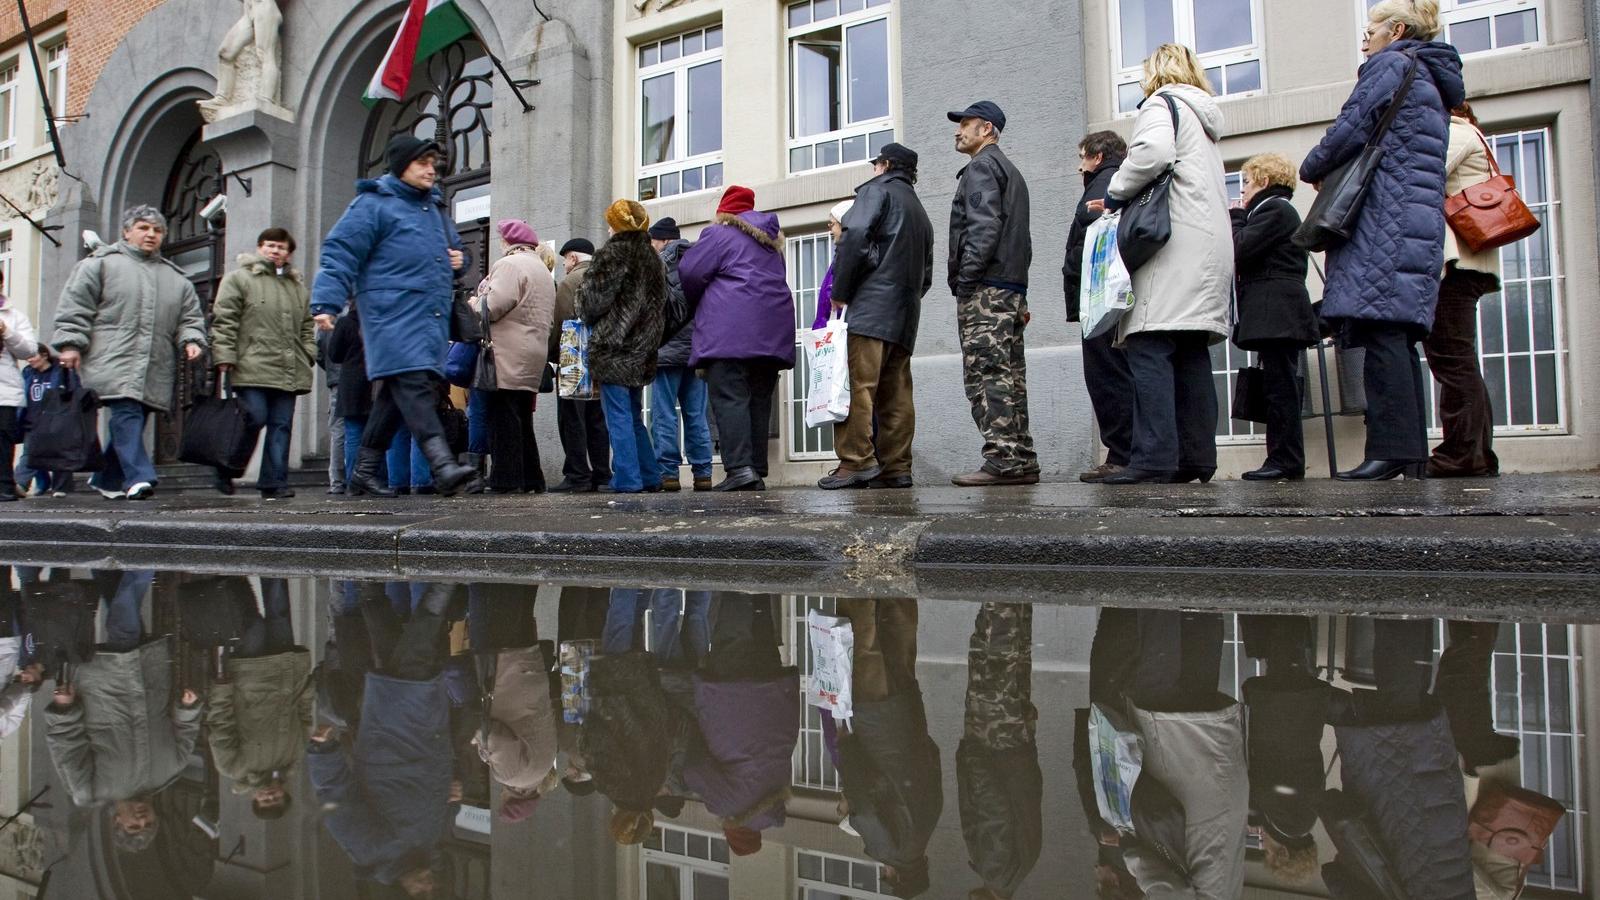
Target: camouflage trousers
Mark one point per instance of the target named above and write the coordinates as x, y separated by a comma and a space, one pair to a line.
995, 375
1000, 711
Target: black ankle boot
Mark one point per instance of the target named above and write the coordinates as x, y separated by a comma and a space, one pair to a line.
364, 479
449, 476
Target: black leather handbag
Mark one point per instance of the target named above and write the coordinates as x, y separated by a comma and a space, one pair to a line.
1146, 224
1333, 215
486, 378
217, 433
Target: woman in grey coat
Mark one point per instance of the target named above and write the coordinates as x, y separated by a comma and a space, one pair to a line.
1182, 292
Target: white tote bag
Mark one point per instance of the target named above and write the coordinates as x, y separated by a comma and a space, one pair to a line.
1106, 293
832, 642
828, 361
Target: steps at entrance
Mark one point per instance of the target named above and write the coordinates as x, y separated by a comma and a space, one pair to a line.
182, 477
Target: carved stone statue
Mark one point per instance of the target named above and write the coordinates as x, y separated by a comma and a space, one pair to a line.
250, 61
42, 191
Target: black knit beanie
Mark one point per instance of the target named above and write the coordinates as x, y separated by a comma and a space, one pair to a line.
403, 151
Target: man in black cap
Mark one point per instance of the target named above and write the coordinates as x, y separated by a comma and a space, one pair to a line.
990, 251
676, 386
584, 439
883, 267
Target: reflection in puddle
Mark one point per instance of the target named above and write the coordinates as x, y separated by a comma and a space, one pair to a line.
255, 736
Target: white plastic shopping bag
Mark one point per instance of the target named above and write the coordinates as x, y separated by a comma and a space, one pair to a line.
1117, 759
832, 643
1106, 293
828, 362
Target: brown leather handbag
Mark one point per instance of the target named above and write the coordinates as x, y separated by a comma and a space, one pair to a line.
1514, 822
1490, 214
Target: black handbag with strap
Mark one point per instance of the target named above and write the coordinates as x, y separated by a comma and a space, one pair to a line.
1146, 223
217, 433
486, 378
63, 432
1333, 216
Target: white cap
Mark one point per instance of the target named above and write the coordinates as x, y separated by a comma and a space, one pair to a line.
841, 210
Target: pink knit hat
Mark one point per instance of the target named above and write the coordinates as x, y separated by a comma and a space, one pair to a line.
516, 231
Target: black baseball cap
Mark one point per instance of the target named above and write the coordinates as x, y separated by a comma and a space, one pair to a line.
987, 110
900, 154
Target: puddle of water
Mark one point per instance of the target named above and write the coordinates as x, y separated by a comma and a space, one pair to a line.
478, 738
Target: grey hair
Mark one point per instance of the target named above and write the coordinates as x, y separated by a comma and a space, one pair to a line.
143, 213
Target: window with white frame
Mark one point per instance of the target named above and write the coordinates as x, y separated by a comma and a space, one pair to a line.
824, 876
840, 82
1225, 34
1226, 361
5, 261
8, 109
680, 114
55, 83
808, 259
683, 864
1477, 26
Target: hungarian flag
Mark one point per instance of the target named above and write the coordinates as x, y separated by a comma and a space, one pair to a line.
429, 26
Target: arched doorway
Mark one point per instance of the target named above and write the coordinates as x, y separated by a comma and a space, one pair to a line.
196, 247
451, 104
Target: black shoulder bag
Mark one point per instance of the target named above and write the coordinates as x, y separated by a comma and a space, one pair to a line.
486, 377
1333, 215
1146, 224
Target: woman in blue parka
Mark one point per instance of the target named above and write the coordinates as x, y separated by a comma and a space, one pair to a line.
395, 250
1384, 283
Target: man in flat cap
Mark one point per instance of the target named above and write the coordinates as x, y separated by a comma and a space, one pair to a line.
990, 251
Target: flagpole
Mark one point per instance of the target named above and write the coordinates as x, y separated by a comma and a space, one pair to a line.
515, 85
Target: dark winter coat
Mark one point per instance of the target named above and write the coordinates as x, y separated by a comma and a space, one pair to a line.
734, 279
989, 240
884, 263
60, 620
1284, 751
1095, 185
1406, 776
623, 301
893, 778
744, 761
388, 798
627, 735
389, 251
1273, 305
678, 346
348, 353
1389, 269
1001, 797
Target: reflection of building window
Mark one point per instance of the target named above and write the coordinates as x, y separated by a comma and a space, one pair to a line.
683, 864
808, 259
1475, 26
8, 109
1225, 34
823, 876
840, 82
812, 766
680, 114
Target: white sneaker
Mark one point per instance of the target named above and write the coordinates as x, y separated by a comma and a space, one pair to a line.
58, 494
141, 491
112, 495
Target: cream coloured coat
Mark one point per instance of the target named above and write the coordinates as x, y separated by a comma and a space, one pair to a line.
1466, 164
521, 294
1186, 286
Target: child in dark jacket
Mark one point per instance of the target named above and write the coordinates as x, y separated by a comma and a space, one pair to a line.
37, 377
354, 399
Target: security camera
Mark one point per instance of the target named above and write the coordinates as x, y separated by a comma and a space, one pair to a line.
214, 210
92, 241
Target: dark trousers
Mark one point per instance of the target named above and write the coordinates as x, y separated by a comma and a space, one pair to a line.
1286, 439
500, 616
409, 647
1392, 375
272, 633
1402, 666
513, 449
584, 441
272, 411
1452, 350
1110, 383
8, 446
1174, 401
741, 399
744, 639
410, 399
1179, 661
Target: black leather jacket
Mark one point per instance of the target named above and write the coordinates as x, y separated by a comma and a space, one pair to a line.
989, 240
884, 263
1095, 185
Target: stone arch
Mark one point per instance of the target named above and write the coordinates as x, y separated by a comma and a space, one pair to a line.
147, 141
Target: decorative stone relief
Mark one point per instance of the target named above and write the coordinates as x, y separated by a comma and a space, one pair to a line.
44, 187
249, 64
641, 5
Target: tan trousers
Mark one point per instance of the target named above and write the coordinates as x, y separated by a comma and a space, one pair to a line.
884, 661
880, 387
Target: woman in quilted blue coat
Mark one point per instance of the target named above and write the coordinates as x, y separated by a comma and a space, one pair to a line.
1383, 284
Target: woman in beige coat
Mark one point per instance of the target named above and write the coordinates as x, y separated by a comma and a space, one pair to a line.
1181, 295
520, 294
1452, 346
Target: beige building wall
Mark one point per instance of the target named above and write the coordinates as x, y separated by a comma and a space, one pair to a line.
1310, 53
29, 178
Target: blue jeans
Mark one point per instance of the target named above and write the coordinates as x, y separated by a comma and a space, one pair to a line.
127, 462
125, 611
271, 410
680, 627
407, 466
353, 426
677, 386
633, 456
478, 422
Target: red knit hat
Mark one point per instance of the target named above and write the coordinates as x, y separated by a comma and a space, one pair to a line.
742, 841
737, 199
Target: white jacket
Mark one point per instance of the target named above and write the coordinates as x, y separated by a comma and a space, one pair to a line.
1186, 286
1466, 164
19, 343
14, 698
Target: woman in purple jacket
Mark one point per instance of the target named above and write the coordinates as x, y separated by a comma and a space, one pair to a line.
744, 325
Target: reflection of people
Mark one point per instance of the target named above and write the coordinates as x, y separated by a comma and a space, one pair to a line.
260, 708
997, 764
625, 741
115, 735
389, 796
518, 736
889, 766
1464, 688
19, 677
